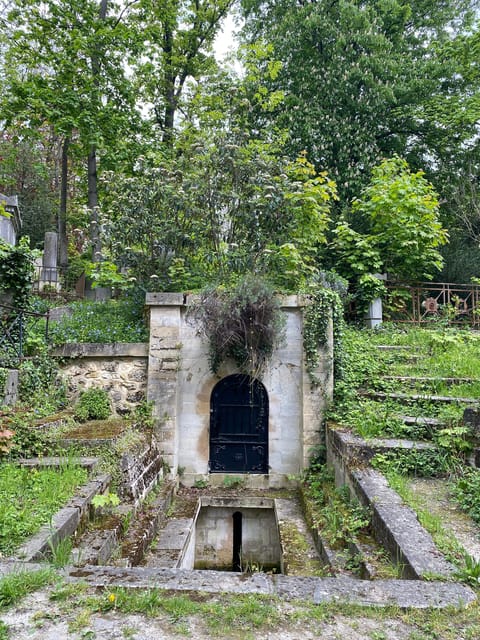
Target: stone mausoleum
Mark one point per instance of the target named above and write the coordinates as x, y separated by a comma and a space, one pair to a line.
211, 425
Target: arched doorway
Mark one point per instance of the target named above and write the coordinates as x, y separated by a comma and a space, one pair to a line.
239, 426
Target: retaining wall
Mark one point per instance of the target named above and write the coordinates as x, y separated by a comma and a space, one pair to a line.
119, 368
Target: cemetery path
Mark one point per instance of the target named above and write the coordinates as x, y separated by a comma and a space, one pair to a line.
38, 618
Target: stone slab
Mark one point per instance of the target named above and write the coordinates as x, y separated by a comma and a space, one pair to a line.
55, 461
94, 350
407, 397
396, 527
174, 535
402, 593
352, 448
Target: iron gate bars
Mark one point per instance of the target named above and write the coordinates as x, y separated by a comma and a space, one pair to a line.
15, 324
457, 304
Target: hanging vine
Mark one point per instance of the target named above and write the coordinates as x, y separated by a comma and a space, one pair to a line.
244, 324
325, 304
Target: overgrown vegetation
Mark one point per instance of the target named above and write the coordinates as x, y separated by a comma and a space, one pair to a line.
30, 497
93, 404
110, 321
337, 515
16, 273
243, 323
466, 489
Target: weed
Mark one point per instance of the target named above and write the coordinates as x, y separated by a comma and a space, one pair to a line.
15, 586
201, 483
471, 571
93, 404
234, 482
466, 490
81, 621
60, 553
4, 633
63, 592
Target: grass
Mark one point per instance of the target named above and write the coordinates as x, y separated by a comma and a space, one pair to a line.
248, 612
15, 586
30, 497
444, 540
248, 616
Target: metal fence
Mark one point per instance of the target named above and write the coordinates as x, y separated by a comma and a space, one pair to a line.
16, 325
427, 302
54, 282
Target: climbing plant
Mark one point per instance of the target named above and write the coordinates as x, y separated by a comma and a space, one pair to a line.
325, 306
16, 271
243, 323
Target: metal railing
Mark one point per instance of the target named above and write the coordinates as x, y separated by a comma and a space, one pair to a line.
427, 302
54, 282
15, 327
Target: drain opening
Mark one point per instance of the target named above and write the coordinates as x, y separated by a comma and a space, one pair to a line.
236, 535
237, 541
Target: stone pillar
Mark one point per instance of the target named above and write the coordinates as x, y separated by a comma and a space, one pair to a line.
316, 396
49, 262
10, 391
374, 314
164, 370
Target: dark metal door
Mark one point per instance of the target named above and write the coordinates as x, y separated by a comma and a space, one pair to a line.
239, 426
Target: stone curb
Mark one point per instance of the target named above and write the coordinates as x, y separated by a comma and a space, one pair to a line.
402, 593
398, 529
64, 523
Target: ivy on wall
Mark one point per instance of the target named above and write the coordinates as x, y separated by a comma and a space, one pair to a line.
16, 272
325, 305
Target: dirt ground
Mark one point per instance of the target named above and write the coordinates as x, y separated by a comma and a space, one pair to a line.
38, 618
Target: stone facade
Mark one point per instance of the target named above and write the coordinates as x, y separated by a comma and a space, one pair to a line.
180, 385
120, 369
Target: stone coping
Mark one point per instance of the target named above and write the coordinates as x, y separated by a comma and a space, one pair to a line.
180, 300
99, 350
402, 593
407, 594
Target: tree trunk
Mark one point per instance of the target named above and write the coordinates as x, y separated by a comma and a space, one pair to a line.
92, 161
93, 204
62, 212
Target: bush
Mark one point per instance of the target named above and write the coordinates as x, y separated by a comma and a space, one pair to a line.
101, 322
93, 404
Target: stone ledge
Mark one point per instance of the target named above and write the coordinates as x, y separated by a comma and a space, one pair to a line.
398, 529
165, 299
354, 449
99, 350
378, 593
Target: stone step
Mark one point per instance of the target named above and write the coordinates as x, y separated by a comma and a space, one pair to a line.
354, 449
172, 539
429, 422
406, 594
429, 379
417, 397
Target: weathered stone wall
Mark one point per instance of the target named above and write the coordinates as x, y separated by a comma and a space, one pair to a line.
260, 539
180, 384
120, 369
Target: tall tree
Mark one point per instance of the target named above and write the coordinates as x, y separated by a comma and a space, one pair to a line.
357, 76
64, 68
178, 37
